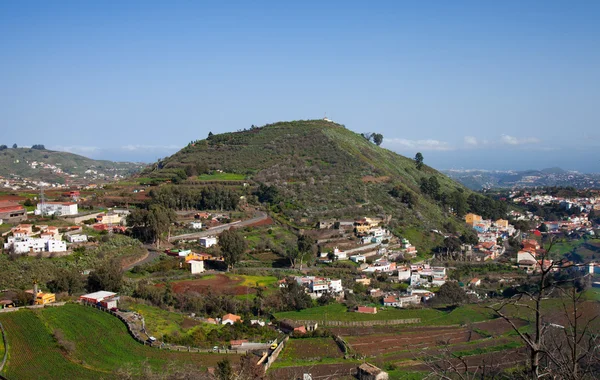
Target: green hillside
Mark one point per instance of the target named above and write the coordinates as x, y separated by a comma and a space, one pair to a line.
79, 342
320, 169
18, 163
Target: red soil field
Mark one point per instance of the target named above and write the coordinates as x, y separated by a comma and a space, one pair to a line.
325, 371
418, 339
12, 198
266, 222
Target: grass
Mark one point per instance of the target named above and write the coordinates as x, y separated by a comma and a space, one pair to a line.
100, 345
221, 177
266, 281
338, 312
485, 350
592, 294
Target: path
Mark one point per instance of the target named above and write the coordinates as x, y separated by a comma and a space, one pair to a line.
259, 216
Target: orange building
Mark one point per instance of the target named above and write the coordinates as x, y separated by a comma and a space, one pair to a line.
472, 219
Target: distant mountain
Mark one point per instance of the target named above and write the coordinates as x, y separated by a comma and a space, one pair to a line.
319, 169
60, 167
489, 179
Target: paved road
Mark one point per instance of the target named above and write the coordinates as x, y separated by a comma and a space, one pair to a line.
152, 254
259, 216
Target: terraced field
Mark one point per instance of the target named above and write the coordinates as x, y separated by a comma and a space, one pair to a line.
79, 342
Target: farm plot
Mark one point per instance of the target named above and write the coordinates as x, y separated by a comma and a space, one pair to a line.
222, 284
318, 371
417, 339
310, 349
75, 341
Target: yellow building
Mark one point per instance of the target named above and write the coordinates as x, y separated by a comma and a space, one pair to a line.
502, 223
45, 298
472, 219
362, 226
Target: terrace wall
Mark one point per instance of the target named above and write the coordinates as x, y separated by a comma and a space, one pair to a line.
5, 342
361, 323
275, 353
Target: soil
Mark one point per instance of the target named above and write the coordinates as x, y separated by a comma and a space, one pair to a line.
309, 349
219, 284
381, 344
329, 371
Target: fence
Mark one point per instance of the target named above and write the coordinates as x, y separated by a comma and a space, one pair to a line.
142, 337
5, 342
382, 322
11, 309
271, 359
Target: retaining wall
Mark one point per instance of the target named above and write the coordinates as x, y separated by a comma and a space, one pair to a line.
5, 342
382, 322
275, 353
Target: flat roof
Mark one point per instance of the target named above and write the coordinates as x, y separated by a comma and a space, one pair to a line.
99, 295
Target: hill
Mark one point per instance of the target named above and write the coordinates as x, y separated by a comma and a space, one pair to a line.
79, 342
59, 167
316, 169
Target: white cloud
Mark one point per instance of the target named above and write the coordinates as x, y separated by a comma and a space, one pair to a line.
511, 140
77, 149
419, 144
472, 141
134, 148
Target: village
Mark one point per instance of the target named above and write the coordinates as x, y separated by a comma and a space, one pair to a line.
385, 274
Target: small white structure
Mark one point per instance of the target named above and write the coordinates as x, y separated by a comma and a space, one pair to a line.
77, 238
358, 258
196, 266
196, 225
56, 208
208, 241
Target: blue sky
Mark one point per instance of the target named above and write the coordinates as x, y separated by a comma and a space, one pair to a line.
470, 84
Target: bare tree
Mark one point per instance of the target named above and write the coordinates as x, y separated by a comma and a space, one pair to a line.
562, 358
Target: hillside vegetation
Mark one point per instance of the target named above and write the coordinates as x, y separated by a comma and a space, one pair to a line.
318, 169
17, 162
79, 342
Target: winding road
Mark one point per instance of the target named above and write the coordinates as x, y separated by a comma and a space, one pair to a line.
259, 216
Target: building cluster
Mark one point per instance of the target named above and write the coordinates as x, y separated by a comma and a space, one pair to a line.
423, 275
584, 204
490, 235
317, 286
528, 257
24, 239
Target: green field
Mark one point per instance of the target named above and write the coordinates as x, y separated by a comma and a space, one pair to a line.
99, 345
338, 312
221, 177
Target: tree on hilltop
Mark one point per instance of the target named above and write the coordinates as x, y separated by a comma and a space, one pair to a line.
15, 146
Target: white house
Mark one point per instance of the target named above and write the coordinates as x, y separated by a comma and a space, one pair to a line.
56, 246
335, 286
208, 241
339, 255
25, 245
56, 208
401, 301
403, 273
77, 238
196, 266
